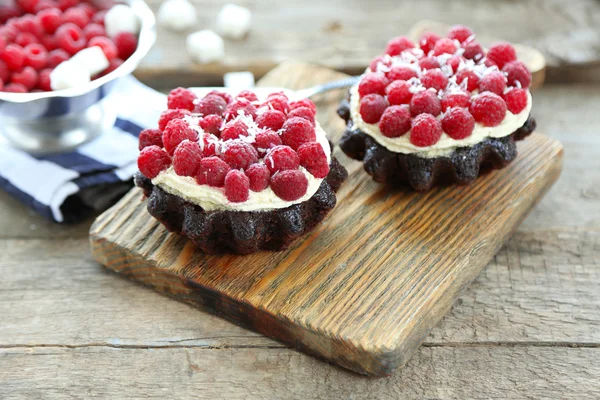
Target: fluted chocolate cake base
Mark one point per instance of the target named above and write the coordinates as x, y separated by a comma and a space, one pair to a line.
462, 166
242, 232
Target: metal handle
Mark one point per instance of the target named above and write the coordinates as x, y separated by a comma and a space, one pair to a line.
326, 87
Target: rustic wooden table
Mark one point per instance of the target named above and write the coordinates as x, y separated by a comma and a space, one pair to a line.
528, 327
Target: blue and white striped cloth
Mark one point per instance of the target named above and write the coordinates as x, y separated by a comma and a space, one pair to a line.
66, 187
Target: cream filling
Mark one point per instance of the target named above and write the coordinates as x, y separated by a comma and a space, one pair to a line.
213, 198
446, 144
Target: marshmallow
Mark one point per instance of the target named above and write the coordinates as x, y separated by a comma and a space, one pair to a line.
121, 18
68, 75
233, 21
205, 46
91, 59
177, 15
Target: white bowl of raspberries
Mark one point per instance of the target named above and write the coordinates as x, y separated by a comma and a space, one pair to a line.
59, 59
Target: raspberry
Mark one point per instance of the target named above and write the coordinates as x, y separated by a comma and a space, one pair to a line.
70, 38
515, 72
176, 132
401, 73
25, 38
49, 42
15, 88
281, 93
460, 33
374, 82
516, 100
57, 56
458, 99
296, 131
239, 154
471, 78
236, 186
152, 161
233, 130
371, 107
395, 121
44, 5
281, 158
263, 141
444, 46
14, 56
272, 119
126, 43
27, 5
210, 145
434, 78
237, 106
277, 102
98, 18
181, 98
398, 92
169, 115
501, 53
108, 47
303, 103
488, 109
494, 82
30, 24
9, 33
186, 159
36, 56
4, 71
88, 9
379, 60
113, 65
76, 16
398, 44
248, 95
225, 96
428, 63
258, 175
211, 104
44, 80
7, 12
212, 171
303, 112
425, 102
65, 4
425, 130
93, 30
473, 51
211, 124
427, 41
458, 123
27, 77
289, 185
454, 62
150, 137
313, 158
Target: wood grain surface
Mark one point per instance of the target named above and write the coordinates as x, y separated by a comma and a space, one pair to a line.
367, 286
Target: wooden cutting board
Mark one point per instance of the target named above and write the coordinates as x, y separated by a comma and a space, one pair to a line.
365, 288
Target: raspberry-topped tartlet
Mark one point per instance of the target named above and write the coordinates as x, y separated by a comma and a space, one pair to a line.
438, 111
238, 174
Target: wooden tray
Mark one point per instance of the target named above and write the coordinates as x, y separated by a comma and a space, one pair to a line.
365, 288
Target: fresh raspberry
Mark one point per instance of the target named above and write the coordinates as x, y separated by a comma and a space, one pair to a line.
152, 161
14, 56
225, 96
434, 78
70, 38
428, 41
113, 65
44, 5
88, 9
27, 5
272, 119
401, 73
371, 107
313, 158
15, 88
25, 38
395, 121
98, 18
233, 130
176, 132
373, 82
212, 171
398, 92
456, 99
186, 159
9, 32
248, 95
44, 80
1, 85
3, 43
65, 4
473, 51
425, 130
150, 137
454, 62
398, 44
57, 56
27, 77
210, 145
93, 30
281, 158
263, 141
239, 154
303, 112
425, 102
379, 60
515, 72
470, 77
516, 100
460, 33
240, 105
169, 115
36, 56
258, 174
277, 102
76, 16
30, 24
303, 103
281, 93
289, 185
501, 53
237, 186
4, 71
428, 62
211, 124
211, 104
494, 82
444, 46
7, 12
126, 43
458, 123
49, 42
296, 131
488, 109
108, 47
181, 98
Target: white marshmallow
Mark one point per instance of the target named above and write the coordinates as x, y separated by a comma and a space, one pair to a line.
68, 75
177, 15
234, 21
92, 59
205, 46
121, 18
